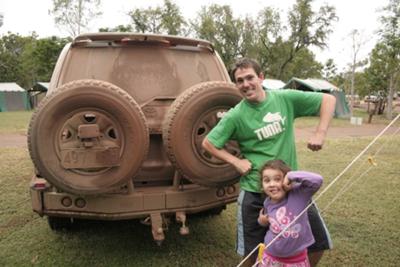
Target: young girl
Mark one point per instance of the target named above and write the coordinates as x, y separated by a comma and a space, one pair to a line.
289, 193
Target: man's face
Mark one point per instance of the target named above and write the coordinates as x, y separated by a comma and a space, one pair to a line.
250, 85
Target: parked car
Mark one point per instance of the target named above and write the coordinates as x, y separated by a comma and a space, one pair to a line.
370, 98
119, 133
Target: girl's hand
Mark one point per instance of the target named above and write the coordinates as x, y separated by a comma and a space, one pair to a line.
287, 184
263, 218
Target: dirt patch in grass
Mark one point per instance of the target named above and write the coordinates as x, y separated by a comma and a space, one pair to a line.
13, 140
350, 131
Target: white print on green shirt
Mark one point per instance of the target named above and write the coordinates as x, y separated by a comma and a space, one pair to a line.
274, 126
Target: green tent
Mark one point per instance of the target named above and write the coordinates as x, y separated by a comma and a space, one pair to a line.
13, 97
317, 85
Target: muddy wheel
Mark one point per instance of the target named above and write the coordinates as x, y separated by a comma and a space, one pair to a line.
190, 118
88, 137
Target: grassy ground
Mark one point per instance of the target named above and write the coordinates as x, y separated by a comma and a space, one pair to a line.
14, 121
363, 221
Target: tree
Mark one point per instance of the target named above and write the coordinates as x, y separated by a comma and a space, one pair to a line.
75, 15
357, 42
304, 65
39, 58
281, 45
119, 28
12, 47
269, 38
1, 19
390, 46
217, 24
171, 19
307, 28
166, 19
146, 20
26, 60
330, 70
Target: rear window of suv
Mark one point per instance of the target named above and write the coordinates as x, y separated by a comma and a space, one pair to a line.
145, 72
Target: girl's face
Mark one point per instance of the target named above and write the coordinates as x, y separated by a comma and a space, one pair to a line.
272, 183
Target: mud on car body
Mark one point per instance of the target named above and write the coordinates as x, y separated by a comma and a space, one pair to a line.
119, 133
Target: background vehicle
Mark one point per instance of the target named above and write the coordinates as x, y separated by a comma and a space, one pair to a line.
119, 134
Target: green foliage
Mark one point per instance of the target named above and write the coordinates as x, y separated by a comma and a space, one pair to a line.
217, 24
362, 87
27, 60
384, 71
40, 58
119, 28
306, 28
172, 19
12, 47
166, 19
330, 70
74, 15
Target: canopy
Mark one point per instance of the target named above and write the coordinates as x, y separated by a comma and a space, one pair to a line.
319, 85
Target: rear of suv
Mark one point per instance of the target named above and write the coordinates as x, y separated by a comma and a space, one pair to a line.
119, 133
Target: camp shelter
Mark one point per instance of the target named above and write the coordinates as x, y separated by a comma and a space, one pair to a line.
272, 84
319, 85
13, 97
37, 93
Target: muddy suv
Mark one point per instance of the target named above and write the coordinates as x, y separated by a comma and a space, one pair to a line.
119, 133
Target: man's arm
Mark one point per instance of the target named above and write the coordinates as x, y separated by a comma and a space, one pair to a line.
243, 166
326, 112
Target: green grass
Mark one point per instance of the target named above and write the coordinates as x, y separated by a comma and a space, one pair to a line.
363, 221
305, 122
14, 121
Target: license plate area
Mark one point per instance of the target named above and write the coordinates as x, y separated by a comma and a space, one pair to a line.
84, 158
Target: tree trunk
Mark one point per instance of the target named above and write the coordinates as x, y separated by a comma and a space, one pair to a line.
389, 110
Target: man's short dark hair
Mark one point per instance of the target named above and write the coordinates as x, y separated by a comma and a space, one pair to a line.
245, 63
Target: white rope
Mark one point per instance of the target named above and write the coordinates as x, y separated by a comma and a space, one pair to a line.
352, 181
248, 255
357, 157
345, 187
326, 189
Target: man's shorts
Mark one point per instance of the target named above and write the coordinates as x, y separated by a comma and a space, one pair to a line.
250, 233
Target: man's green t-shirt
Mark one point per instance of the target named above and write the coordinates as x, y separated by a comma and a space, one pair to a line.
265, 131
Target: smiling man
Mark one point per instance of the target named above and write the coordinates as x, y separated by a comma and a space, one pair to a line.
262, 124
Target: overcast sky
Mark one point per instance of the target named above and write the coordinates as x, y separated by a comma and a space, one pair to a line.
26, 16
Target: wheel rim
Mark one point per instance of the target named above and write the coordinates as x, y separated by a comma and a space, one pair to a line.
67, 137
200, 130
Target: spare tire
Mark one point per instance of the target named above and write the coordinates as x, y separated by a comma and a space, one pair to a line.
190, 118
88, 137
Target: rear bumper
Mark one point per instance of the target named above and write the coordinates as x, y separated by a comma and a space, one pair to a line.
138, 204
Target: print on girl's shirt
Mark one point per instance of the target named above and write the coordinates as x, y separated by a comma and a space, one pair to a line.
281, 221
